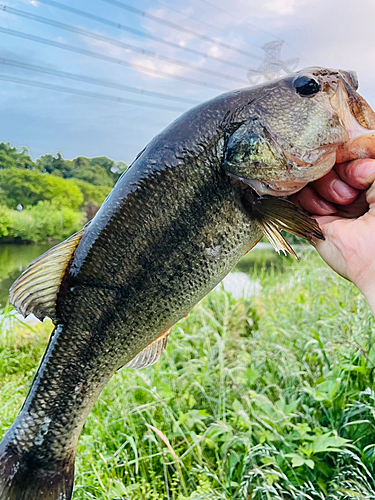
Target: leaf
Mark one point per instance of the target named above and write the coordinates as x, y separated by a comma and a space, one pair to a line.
135, 450
328, 442
237, 406
271, 478
251, 375
119, 489
164, 438
298, 460
303, 429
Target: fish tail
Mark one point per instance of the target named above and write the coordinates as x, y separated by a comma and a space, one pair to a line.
22, 478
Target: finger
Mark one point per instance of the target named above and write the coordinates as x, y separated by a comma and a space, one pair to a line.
333, 189
330, 224
370, 197
311, 201
359, 174
359, 207
325, 222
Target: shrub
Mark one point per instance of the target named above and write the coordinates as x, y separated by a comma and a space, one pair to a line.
4, 221
91, 193
28, 187
43, 221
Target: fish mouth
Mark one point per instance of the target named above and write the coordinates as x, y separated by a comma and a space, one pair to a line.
358, 119
304, 174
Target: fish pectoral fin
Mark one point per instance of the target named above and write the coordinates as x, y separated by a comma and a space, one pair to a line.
271, 212
276, 239
151, 354
35, 291
287, 216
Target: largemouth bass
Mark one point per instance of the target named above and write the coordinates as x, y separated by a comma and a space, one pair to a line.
201, 194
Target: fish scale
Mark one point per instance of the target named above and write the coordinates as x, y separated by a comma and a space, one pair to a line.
163, 278
178, 220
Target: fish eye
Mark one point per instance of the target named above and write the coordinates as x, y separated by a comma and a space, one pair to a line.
306, 86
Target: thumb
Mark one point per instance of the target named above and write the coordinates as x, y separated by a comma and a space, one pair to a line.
370, 196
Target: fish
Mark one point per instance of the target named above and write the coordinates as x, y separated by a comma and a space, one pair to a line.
194, 201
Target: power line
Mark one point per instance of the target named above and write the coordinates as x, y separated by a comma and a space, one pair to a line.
159, 20
94, 95
275, 38
167, 6
95, 81
205, 23
111, 41
141, 34
236, 18
98, 55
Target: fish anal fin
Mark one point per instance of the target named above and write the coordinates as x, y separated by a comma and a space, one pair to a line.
151, 354
35, 291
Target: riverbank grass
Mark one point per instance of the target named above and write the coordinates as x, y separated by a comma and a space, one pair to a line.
269, 397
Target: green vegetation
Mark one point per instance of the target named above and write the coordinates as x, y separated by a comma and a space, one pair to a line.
57, 196
267, 398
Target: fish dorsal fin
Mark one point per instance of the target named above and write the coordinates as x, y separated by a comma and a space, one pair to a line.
151, 354
35, 291
271, 212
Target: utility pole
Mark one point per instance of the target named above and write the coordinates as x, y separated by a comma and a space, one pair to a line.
272, 66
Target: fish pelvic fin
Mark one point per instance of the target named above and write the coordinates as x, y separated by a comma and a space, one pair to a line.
151, 354
22, 478
271, 213
35, 291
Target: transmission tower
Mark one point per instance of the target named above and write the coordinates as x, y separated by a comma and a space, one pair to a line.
272, 66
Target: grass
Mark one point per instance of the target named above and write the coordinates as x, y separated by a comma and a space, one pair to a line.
268, 398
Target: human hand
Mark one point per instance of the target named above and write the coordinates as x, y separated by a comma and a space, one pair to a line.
343, 203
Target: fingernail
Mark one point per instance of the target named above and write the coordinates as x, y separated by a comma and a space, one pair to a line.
327, 207
343, 190
365, 170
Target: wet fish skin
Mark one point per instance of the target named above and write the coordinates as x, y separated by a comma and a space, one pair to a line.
172, 228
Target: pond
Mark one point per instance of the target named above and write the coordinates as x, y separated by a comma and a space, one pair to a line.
15, 258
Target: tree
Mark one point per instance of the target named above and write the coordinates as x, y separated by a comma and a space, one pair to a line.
114, 169
28, 187
56, 165
11, 157
91, 193
95, 175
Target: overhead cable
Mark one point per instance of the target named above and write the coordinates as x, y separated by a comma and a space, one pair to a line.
177, 27
117, 43
206, 24
94, 95
142, 34
238, 19
92, 80
114, 60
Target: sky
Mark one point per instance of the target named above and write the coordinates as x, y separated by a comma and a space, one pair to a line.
197, 50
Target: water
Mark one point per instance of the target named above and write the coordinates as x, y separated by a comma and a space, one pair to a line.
13, 261
15, 258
